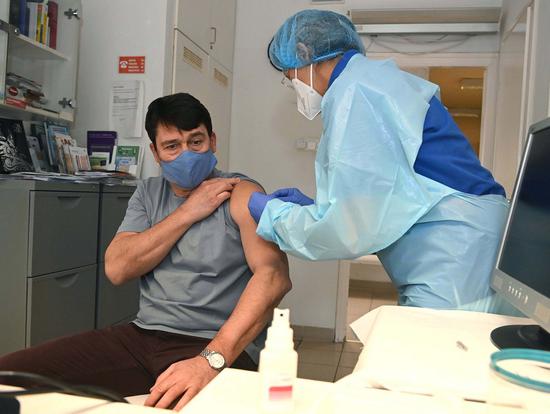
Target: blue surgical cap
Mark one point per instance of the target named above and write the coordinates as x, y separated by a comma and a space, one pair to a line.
311, 36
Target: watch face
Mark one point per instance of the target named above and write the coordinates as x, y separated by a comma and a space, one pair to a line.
216, 360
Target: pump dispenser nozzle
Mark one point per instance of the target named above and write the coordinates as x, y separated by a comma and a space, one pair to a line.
279, 334
281, 317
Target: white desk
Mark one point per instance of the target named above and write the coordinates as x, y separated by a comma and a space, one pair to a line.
430, 351
413, 352
410, 351
236, 392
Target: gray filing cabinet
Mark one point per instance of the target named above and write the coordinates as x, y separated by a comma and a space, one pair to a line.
115, 304
48, 256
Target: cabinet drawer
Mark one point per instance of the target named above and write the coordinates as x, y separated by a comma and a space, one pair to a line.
62, 231
113, 209
60, 304
115, 303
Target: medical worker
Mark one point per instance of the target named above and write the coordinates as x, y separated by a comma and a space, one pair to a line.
394, 174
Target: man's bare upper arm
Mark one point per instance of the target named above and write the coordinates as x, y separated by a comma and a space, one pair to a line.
258, 252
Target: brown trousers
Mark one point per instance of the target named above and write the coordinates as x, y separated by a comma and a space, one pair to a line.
124, 358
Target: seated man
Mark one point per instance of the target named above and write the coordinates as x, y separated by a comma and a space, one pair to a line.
208, 282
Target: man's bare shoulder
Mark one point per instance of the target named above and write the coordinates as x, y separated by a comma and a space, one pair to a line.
238, 203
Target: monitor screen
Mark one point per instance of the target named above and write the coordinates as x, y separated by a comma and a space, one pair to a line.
522, 273
525, 254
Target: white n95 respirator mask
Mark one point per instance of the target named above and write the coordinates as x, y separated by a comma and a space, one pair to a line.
308, 99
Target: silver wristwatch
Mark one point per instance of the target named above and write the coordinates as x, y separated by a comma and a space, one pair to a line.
215, 359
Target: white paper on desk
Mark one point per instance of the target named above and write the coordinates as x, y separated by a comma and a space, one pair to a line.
126, 108
415, 350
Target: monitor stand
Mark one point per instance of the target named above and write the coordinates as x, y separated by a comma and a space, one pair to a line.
521, 336
9, 405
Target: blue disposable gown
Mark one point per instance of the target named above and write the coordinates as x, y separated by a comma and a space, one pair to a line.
370, 200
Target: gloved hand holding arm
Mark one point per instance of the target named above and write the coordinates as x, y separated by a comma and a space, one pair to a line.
256, 204
293, 195
258, 201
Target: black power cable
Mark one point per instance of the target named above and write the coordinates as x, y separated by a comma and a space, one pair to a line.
39, 384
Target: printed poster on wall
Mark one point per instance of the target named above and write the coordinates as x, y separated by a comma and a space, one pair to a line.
126, 108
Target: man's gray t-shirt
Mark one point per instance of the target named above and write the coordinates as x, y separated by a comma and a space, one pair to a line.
198, 284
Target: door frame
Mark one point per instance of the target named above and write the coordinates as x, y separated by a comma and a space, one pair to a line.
489, 61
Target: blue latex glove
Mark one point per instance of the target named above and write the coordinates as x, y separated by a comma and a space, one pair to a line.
293, 195
257, 201
256, 204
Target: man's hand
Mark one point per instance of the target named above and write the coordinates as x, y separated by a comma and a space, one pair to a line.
207, 197
182, 379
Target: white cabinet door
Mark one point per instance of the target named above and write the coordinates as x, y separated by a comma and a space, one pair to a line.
223, 22
194, 21
219, 105
60, 76
208, 81
190, 68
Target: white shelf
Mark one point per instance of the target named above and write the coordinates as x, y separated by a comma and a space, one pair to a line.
32, 114
54, 69
27, 48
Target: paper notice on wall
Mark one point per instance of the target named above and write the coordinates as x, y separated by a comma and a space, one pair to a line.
126, 108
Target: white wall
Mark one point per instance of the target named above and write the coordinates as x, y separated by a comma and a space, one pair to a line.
509, 102
508, 110
524, 84
418, 4
121, 28
511, 11
540, 63
264, 126
5, 10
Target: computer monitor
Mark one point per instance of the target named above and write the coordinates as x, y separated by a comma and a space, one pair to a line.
522, 271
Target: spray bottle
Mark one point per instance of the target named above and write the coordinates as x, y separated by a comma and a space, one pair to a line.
278, 366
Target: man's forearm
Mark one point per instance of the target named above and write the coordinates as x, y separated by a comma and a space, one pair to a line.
264, 291
137, 254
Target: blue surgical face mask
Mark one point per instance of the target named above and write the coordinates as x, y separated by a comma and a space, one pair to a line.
189, 169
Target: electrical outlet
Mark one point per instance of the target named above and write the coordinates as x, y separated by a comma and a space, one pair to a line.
307, 144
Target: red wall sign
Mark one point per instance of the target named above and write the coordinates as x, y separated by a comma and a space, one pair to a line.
131, 64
